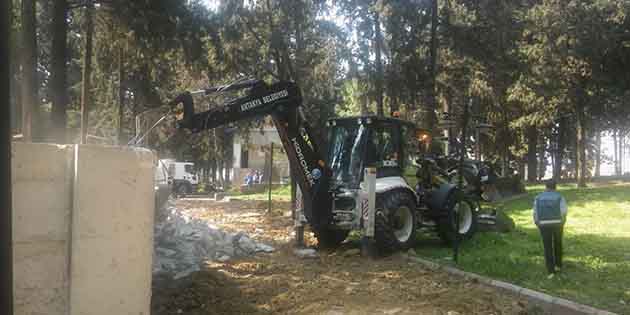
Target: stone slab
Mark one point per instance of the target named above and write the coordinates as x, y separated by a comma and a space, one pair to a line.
112, 231
42, 193
41, 278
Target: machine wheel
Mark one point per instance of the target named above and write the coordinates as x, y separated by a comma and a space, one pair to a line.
329, 238
462, 210
395, 221
183, 189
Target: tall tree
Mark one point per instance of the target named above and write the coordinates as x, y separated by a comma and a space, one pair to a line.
30, 99
431, 103
598, 153
121, 95
378, 47
58, 75
6, 243
532, 160
87, 69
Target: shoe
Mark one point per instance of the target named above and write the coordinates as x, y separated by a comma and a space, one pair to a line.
551, 276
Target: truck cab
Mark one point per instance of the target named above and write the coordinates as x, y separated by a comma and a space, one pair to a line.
183, 176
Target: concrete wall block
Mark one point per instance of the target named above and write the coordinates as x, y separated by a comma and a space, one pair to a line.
82, 245
41, 278
41, 180
42, 188
112, 231
39, 161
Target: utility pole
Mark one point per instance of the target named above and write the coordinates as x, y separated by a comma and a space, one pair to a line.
6, 241
460, 181
270, 174
87, 70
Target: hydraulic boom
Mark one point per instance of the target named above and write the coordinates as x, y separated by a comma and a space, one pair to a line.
281, 100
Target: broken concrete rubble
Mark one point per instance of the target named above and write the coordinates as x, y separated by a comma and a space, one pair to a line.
183, 243
305, 253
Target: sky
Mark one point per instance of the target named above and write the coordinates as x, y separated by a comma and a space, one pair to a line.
212, 4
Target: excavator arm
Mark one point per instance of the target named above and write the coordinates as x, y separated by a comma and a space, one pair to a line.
281, 100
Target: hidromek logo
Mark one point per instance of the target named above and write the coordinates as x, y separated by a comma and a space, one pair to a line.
266, 99
303, 162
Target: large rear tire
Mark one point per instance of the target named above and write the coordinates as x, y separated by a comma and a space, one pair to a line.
395, 221
462, 210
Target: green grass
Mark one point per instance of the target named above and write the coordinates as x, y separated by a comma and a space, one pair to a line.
596, 248
282, 193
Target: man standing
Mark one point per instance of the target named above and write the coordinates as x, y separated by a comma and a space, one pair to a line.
550, 212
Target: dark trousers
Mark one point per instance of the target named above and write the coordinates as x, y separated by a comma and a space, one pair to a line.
552, 242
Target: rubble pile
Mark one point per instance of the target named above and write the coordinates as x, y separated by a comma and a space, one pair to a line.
183, 243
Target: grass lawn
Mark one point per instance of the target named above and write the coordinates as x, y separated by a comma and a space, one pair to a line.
282, 193
596, 248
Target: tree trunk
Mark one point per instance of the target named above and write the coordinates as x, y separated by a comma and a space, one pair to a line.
6, 217
215, 155
300, 46
87, 70
560, 146
121, 96
598, 153
30, 104
542, 159
431, 103
581, 148
14, 68
378, 42
364, 99
227, 153
532, 161
616, 153
58, 84
622, 140
521, 170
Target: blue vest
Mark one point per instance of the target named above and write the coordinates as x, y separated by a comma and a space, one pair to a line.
548, 208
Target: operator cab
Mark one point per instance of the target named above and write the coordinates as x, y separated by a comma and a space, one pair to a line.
388, 144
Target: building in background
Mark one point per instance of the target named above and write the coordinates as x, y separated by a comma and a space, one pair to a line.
251, 152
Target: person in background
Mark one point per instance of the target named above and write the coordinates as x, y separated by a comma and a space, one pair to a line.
256, 177
249, 178
550, 213
260, 176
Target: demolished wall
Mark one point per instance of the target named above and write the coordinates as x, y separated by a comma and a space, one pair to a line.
82, 229
184, 243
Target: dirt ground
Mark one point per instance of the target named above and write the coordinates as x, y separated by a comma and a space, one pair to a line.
337, 282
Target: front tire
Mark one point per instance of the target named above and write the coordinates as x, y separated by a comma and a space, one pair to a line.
329, 238
183, 189
395, 221
462, 210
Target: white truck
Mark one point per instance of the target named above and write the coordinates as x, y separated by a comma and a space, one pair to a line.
182, 175
162, 185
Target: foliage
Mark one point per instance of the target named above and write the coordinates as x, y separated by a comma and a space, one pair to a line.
557, 67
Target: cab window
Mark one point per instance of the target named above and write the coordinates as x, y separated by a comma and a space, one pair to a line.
382, 150
189, 168
411, 152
